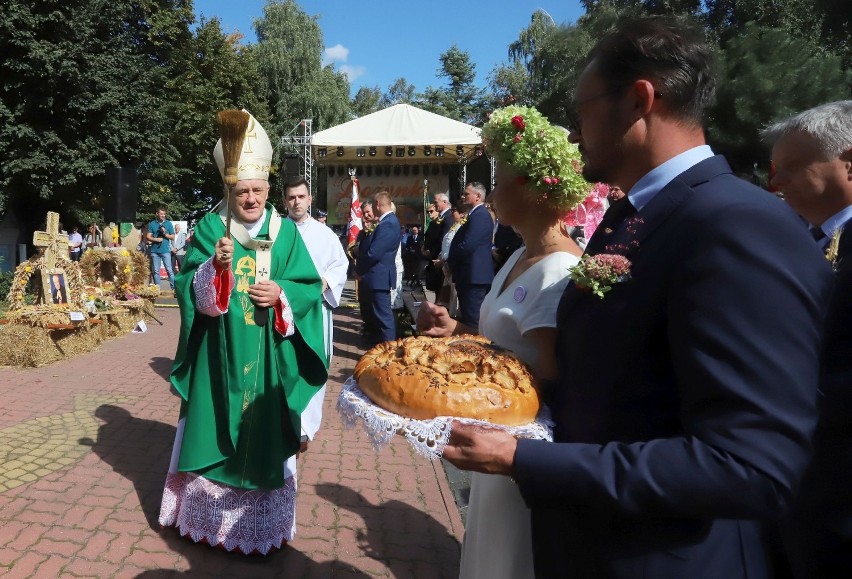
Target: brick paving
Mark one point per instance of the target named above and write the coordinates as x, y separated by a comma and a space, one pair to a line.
84, 447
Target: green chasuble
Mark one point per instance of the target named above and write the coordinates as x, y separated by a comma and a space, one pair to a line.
244, 387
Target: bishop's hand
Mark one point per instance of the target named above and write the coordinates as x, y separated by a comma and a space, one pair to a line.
224, 253
264, 294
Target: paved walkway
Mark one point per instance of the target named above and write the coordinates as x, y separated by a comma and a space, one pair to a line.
84, 447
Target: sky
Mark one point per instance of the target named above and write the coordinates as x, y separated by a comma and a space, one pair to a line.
377, 41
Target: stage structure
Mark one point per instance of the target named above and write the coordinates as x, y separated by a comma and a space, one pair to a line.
403, 149
298, 142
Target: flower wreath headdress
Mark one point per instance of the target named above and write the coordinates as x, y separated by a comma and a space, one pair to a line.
522, 138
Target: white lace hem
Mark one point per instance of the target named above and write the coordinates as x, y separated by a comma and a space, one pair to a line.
428, 437
221, 515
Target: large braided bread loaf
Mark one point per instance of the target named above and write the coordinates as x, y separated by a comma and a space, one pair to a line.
464, 376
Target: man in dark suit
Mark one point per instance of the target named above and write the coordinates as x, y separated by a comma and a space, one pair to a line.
506, 242
469, 258
370, 329
686, 395
376, 267
445, 214
441, 221
412, 256
812, 154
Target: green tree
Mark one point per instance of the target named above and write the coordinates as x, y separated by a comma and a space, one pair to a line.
518, 82
214, 71
461, 99
511, 83
401, 91
289, 58
294, 83
79, 94
728, 18
768, 75
367, 100
837, 27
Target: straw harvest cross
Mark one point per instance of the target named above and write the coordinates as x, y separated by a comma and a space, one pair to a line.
52, 240
53, 243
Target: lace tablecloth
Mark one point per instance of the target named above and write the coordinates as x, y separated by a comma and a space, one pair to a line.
428, 437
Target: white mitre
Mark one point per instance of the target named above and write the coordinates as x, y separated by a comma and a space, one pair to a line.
256, 156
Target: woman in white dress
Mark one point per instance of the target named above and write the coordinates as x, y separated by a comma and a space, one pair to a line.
519, 314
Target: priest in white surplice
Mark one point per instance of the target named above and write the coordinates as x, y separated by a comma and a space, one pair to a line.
331, 263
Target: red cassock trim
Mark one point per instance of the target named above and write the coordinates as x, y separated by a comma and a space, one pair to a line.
283, 316
223, 282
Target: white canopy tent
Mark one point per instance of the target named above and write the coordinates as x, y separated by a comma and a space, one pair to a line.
398, 134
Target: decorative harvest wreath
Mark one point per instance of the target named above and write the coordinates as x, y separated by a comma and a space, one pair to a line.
91, 263
522, 138
141, 269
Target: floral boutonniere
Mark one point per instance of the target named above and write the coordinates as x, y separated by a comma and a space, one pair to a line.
463, 220
834, 247
369, 229
598, 273
438, 221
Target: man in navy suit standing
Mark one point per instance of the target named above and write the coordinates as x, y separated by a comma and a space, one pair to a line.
376, 266
812, 154
469, 258
686, 395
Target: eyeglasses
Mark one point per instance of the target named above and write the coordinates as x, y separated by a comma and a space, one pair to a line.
573, 122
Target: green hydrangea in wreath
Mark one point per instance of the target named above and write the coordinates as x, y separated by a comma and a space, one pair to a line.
525, 140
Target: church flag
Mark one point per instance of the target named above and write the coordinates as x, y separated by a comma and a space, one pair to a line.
355, 222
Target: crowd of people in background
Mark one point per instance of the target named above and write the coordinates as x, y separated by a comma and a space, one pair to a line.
164, 242
699, 388
701, 398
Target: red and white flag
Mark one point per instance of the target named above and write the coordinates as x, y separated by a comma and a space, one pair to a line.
356, 224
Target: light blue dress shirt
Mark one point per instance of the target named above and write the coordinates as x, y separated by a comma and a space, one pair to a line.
835, 222
653, 182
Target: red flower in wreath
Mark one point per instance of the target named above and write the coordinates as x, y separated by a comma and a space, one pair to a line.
518, 122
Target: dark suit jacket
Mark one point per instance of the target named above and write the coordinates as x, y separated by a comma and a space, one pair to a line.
377, 255
470, 252
686, 397
447, 223
506, 242
413, 246
435, 234
821, 542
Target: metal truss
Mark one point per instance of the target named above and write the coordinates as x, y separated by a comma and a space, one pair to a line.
298, 142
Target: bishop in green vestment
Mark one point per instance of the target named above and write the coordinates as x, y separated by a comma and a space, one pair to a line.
249, 359
243, 385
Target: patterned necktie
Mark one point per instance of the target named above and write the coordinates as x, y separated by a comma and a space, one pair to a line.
617, 213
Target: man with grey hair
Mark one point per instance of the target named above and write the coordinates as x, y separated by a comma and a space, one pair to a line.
812, 154
441, 221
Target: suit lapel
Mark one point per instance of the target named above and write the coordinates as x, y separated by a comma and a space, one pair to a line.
627, 239
844, 249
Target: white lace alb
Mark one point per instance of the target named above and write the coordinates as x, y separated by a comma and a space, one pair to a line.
248, 520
